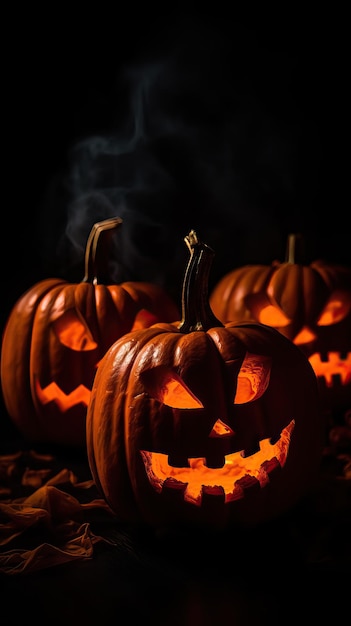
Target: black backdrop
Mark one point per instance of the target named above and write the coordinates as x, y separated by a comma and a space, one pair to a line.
236, 127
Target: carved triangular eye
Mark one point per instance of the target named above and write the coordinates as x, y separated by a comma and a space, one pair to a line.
336, 309
273, 316
72, 331
265, 311
167, 387
253, 378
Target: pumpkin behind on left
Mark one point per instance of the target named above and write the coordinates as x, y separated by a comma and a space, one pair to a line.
55, 337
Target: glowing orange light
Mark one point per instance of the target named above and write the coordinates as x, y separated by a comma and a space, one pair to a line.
197, 478
272, 316
334, 366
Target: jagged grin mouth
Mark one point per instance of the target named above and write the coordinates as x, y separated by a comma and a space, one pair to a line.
232, 479
53, 393
333, 367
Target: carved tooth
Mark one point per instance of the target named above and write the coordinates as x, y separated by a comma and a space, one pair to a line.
250, 450
212, 502
217, 450
177, 460
193, 494
213, 490
173, 490
271, 465
215, 460
236, 494
268, 468
336, 380
173, 483
274, 438
263, 477
249, 484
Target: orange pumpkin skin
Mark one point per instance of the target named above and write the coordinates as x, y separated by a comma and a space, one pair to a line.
53, 340
166, 402
308, 304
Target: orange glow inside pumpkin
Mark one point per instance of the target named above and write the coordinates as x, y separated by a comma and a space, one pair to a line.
175, 393
336, 309
221, 429
53, 393
304, 336
73, 333
252, 381
253, 378
237, 474
273, 316
334, 366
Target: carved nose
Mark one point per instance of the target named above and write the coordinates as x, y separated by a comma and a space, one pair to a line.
306, 335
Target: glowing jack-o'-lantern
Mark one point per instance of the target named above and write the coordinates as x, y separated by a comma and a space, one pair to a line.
203, 423
308, 304
56, 335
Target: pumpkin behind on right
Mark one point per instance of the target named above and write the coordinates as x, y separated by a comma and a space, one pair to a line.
308, 304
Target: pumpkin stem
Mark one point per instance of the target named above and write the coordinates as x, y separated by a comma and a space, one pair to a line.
295, 249
196, 311
91, 251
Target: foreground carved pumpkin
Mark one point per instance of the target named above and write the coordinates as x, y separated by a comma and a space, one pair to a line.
203, 423
56, 335
309, 304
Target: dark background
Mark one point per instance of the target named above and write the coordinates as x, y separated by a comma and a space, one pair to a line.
234, 126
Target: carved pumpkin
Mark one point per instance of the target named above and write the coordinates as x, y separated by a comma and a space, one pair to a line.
56, 335
203, 423
309, 304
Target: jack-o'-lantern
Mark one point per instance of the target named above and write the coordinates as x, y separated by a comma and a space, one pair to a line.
56, 335
200, 423
308, 304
